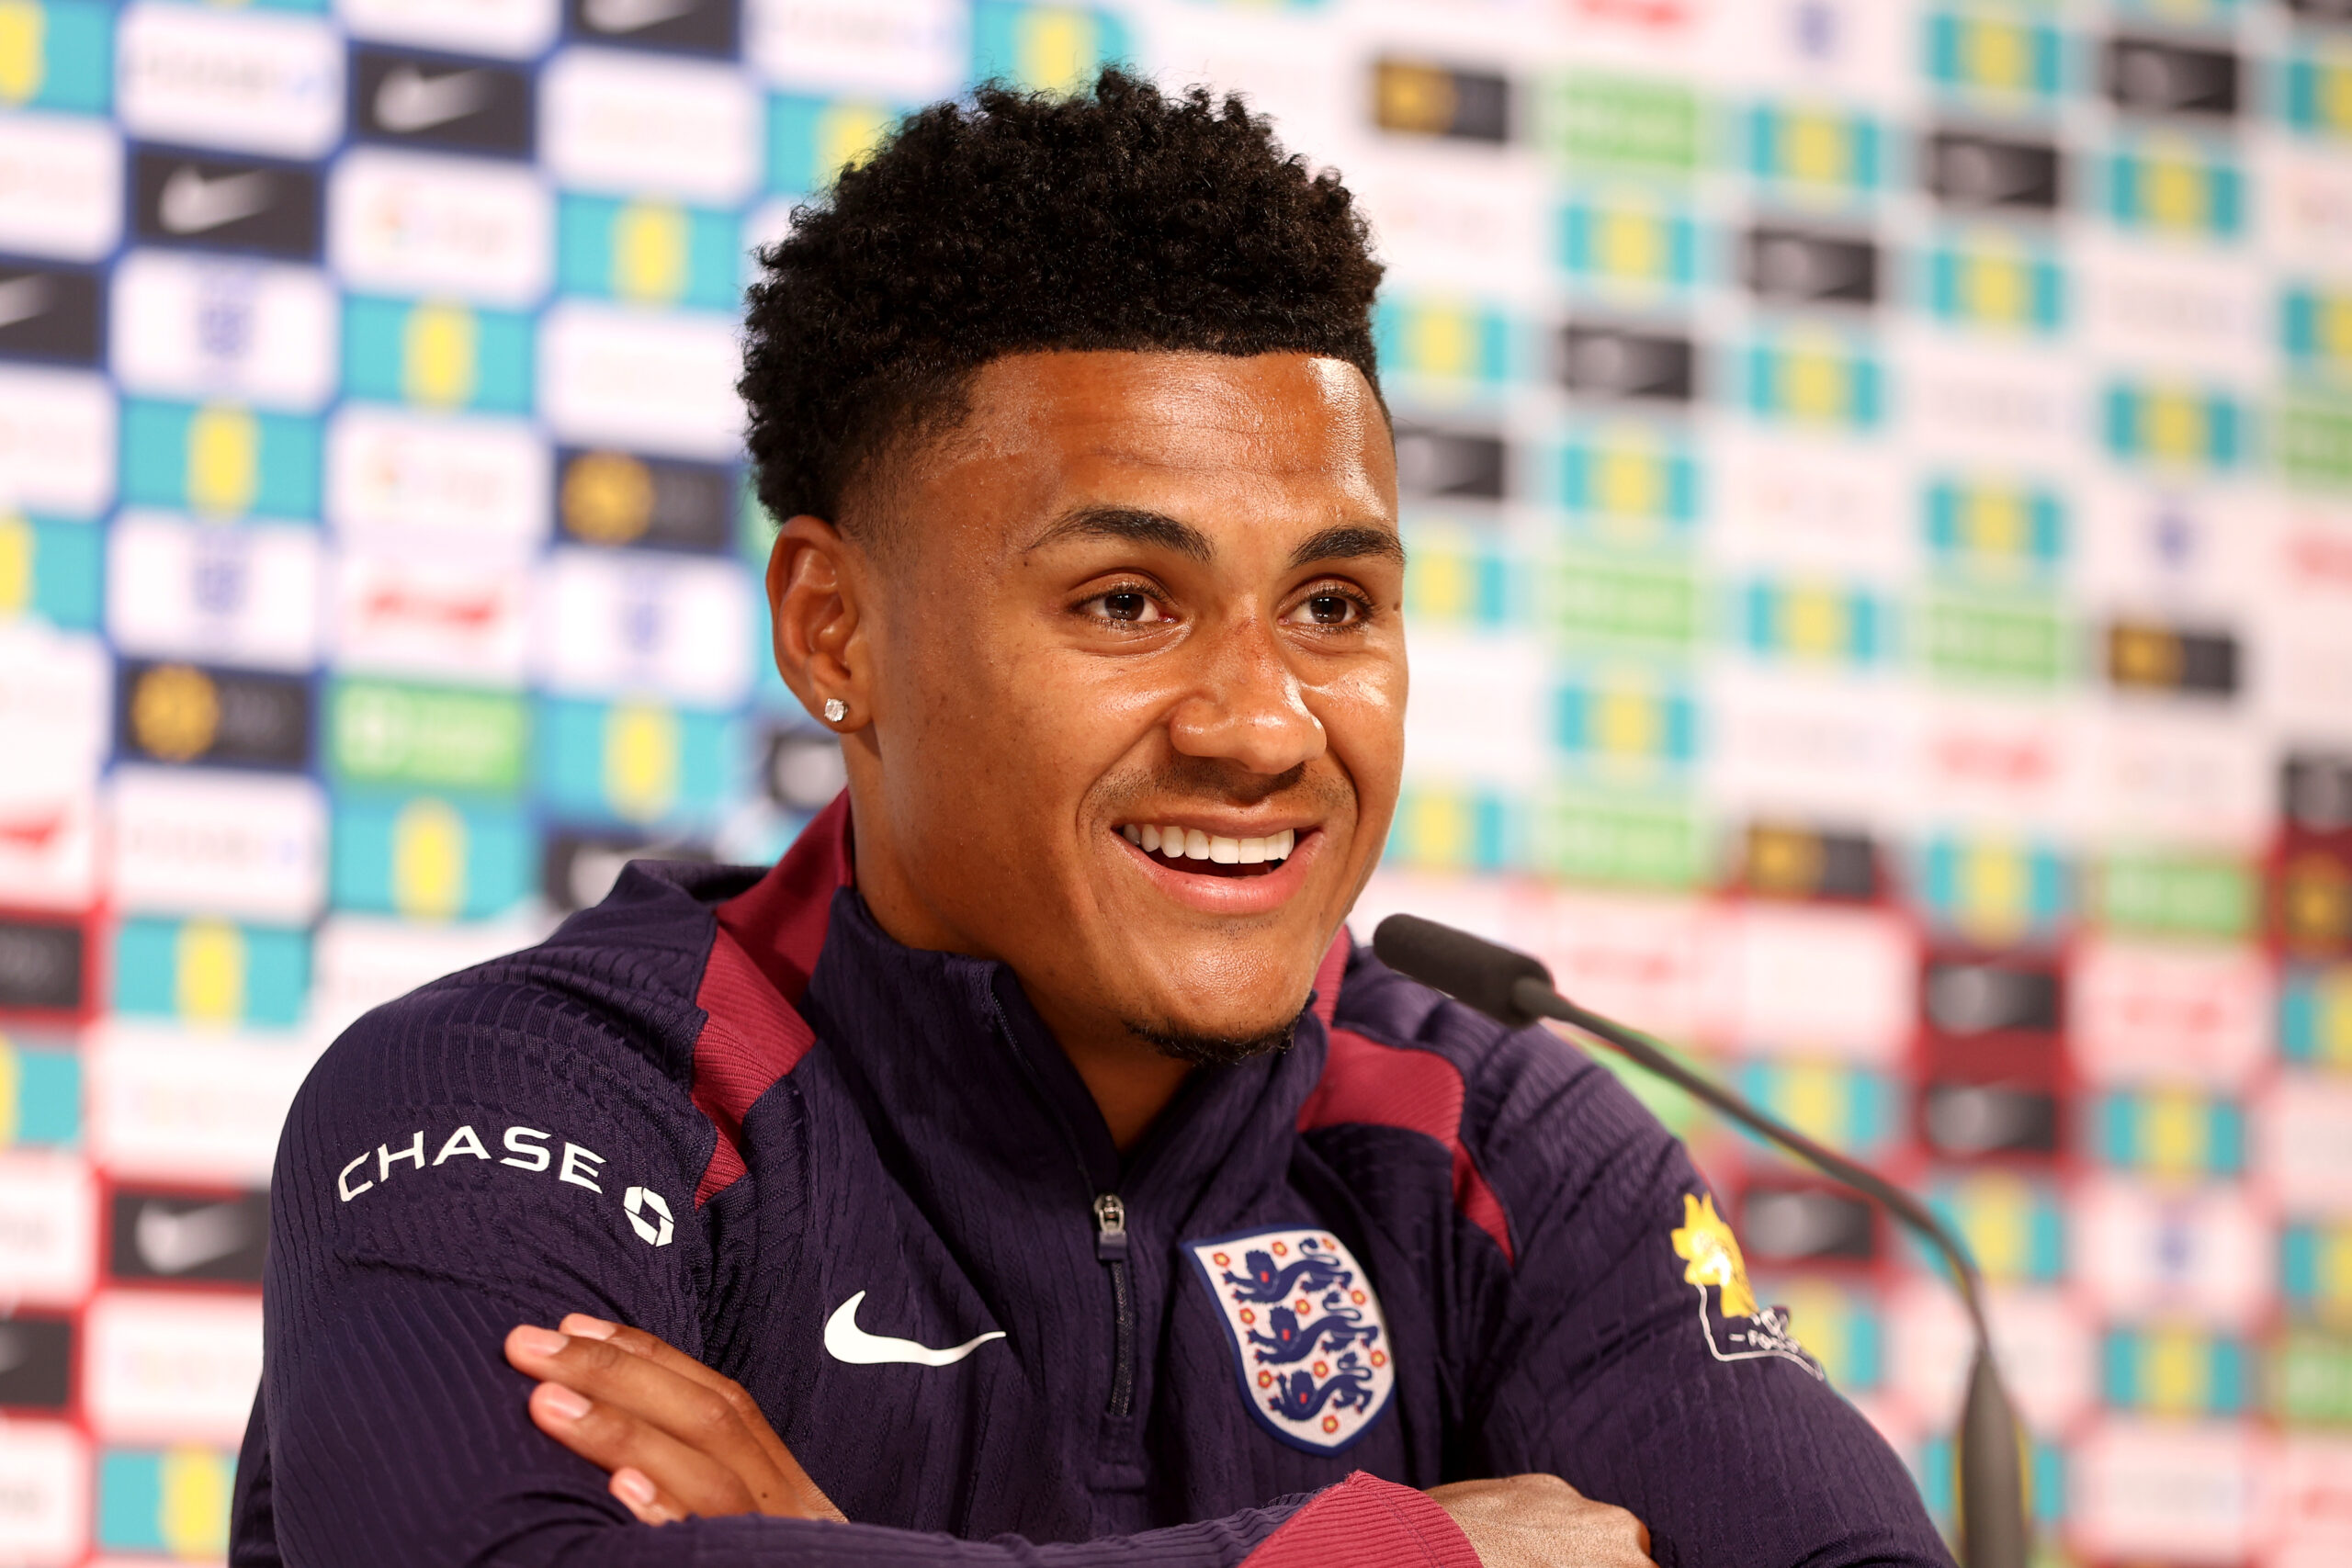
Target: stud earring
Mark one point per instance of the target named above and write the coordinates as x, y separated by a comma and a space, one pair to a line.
836, 710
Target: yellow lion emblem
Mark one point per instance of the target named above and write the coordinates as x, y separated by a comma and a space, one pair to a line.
1714, 1254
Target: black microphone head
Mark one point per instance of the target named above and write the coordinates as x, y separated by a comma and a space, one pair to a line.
1468, 968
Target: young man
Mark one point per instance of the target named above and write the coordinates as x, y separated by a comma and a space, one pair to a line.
1028, 1169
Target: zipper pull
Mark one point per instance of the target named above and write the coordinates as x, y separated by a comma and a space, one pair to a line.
1110, 1228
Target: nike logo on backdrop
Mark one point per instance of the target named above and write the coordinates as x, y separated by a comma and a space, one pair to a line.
634, 15
173, 1244
845, 1341
410, 100
191, 204
22, 299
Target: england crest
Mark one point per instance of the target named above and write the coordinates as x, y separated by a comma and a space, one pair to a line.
1317, 1368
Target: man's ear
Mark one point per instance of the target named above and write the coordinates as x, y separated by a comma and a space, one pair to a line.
816, 582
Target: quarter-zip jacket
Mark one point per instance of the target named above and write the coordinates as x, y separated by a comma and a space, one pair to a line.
864, 1181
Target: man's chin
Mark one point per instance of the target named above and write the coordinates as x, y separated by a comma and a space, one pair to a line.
1214, 1050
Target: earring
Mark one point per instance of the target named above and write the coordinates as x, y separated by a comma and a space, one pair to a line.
836, 710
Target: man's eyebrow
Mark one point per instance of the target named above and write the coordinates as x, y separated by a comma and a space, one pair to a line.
1350, 541
1132, 524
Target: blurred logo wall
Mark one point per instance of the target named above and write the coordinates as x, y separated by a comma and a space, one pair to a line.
1879, 481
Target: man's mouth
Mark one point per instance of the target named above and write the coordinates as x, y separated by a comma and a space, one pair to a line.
1209, 854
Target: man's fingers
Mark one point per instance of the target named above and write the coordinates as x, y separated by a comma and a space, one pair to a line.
640, 1496
703, 1413
661, 1352
699, 1416
669, 1359
805, 1499
678, 1481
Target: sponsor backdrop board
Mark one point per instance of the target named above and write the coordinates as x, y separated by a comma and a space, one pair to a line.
1879, 477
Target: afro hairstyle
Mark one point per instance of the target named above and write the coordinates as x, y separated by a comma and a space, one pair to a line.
1125, 219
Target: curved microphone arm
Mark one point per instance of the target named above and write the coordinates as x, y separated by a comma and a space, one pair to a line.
1540, 1000
1515, 990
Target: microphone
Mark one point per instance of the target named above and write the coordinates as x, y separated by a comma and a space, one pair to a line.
1515, 990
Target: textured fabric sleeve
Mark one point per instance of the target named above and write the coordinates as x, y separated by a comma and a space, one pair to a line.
1631, 1358
477, 1157
1367, 1523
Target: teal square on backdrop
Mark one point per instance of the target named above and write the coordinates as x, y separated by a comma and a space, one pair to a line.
272, 465
428, 858
75, 49
435, 355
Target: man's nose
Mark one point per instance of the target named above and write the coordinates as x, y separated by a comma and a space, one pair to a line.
1249, 707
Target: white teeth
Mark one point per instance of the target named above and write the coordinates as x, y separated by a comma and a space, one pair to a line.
1190, 843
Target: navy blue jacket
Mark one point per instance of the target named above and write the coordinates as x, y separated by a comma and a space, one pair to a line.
725, 1107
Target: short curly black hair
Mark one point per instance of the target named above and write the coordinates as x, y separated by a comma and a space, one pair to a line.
1123, 219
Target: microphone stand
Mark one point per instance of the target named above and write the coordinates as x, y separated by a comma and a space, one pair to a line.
1515, 990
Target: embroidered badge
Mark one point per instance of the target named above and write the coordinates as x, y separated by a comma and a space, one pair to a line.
1308, 1334
1734, 1327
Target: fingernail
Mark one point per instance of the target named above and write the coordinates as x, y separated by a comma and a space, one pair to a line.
538, 1341
631, 1487
566, 1402
580, 1325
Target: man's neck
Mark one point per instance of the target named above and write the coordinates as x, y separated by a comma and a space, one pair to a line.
1131, 1082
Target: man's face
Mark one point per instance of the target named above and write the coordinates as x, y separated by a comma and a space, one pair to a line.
1137, 597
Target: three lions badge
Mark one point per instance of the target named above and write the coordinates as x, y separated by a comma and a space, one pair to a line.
1736, 1327
1308, 1337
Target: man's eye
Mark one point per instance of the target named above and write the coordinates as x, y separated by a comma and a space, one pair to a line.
1329, 610
1130, 606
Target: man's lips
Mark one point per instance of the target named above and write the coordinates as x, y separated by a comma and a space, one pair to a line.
1228, 888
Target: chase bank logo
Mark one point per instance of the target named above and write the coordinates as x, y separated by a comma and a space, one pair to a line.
530, 1150
649, 1216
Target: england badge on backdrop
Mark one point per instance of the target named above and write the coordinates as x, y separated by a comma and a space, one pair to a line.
1308, 1337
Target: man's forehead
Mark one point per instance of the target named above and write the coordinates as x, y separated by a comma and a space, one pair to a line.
1271, 411
1351, 540
1062, 446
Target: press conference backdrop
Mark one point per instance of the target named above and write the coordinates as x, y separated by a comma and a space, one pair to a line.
1878, 478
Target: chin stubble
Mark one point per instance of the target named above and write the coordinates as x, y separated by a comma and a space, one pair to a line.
1213, 1050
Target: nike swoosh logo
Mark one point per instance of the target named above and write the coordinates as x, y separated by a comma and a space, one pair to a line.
191, 204
409, 100
845, 1341
173, 1244
22, 299
634, 15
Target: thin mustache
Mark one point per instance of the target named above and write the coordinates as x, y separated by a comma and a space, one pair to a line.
1215, 783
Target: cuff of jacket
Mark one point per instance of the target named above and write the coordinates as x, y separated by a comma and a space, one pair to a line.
1364, 1522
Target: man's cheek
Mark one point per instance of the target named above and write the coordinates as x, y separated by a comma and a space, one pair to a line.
1364, 724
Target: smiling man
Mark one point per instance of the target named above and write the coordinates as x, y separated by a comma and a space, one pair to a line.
1028, 1169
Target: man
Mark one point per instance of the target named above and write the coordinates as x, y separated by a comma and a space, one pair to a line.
1028, 1169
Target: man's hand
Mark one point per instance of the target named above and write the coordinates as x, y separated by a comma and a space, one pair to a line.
1541, 1521
677, 1437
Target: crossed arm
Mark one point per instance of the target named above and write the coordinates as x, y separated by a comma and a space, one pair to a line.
388, 1431
677, 1438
